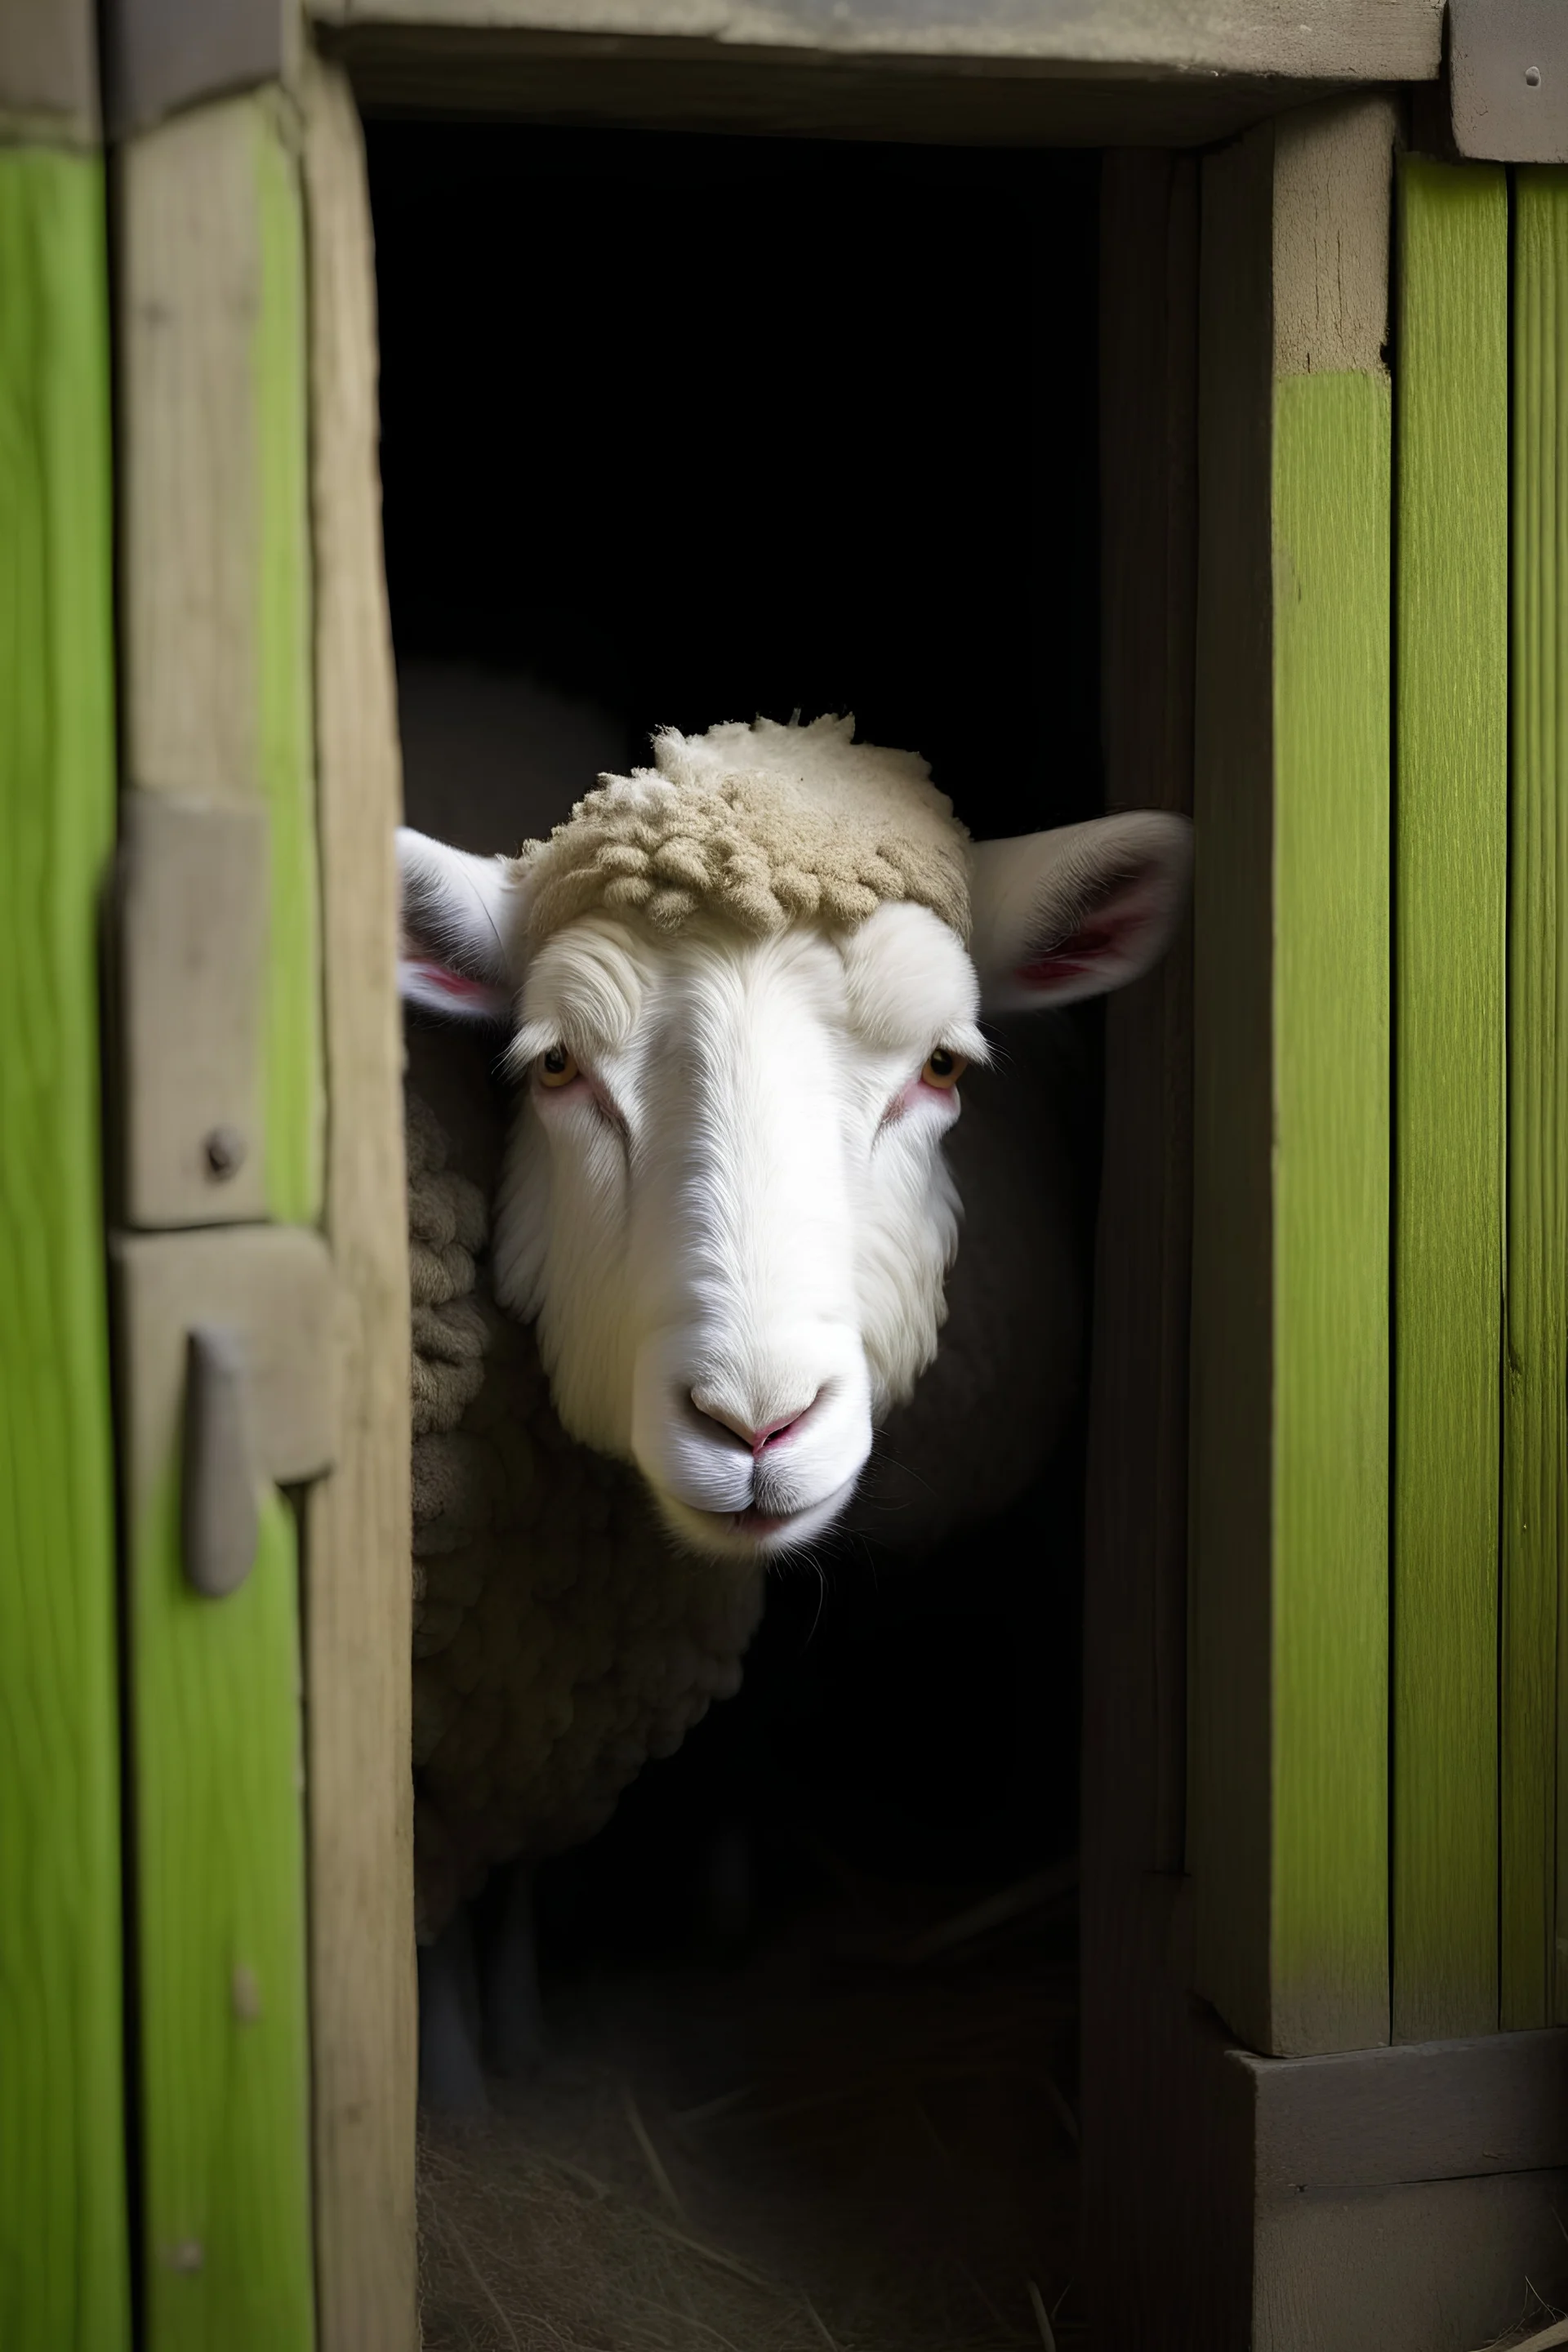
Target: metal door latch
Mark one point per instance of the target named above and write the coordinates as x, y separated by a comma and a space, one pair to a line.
228, 1360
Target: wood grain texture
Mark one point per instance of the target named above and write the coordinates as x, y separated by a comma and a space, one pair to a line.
1330, 1923
191, 924
358, 1604
1230, 1694
48, 72
1287, 1835
1166, 2148
215, 606
221, 1930
1404, 2195
1138, 1469
1413, 2111
1343, 41
220, 1865
64, 2280
712, 85
1451, 760
1426, 2266
295, 1107
1535, 1499
215, 558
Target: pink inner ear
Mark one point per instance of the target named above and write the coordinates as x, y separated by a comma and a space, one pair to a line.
458, 985
1108, 936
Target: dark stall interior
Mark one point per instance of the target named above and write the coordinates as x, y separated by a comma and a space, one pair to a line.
677, 430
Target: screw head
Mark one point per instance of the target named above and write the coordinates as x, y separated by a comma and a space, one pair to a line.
224, 1151
1533, 77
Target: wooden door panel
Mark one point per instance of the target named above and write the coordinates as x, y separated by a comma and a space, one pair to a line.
64, 2276
1287, 1818
1535, 1419
215, 592
1450, 890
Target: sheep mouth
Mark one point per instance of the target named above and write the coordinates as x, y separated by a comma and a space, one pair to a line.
755, 1532
755, 1522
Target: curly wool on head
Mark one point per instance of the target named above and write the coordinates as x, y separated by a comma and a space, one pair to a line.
764, 824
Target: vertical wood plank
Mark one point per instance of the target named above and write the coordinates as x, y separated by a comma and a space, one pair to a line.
215, 573
1149, 428
64, 2279
1230, 1559
1534, 1659
220, 1899
1451, 754
358, 1602
1330, 1923
215, 605
1288, 1831
1167, 2154
295, 1109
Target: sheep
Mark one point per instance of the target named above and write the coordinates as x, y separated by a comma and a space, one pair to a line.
742, 987
558, 1640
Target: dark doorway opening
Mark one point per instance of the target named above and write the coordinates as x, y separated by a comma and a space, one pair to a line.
677, 430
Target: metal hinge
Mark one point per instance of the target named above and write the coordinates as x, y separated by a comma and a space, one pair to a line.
226, 1331
1508, 80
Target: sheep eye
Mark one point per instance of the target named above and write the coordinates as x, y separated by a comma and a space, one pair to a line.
944, 1068
556, 1067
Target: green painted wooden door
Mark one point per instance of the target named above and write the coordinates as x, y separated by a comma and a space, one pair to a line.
1289, 1649
1451, 879
64, 2272
215, 588
1481, 1209
1380, 1365
186, 2071
1534, 1621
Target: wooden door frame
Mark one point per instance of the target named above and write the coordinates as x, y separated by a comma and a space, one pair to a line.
1393, 2196
1218, 2186
255, 644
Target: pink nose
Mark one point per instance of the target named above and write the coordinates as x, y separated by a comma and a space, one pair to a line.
771, 1433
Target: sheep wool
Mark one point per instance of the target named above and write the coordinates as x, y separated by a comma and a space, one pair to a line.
765, 825
560, 1640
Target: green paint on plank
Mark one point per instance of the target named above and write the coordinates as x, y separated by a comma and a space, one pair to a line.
63, 2258
1451, 631
221, 1930
217, 1734
284, 714
1534, 1984
1328, 1904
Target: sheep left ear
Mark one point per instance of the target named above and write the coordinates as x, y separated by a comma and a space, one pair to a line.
1072, 913
453, 929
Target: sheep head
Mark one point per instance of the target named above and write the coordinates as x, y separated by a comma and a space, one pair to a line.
742, 989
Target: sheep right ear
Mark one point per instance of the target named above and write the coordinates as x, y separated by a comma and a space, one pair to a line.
1068, 914
453, 934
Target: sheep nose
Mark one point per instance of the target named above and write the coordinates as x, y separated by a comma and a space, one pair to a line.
759, 1439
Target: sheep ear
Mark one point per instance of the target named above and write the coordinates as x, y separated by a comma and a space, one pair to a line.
1073, 913
457, 916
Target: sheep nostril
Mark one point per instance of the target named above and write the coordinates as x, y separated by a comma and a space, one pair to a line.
757, 1439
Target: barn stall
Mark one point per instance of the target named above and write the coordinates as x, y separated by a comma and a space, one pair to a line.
1283, 357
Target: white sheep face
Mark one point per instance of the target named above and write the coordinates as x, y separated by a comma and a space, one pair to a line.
726, 1206
733, 1223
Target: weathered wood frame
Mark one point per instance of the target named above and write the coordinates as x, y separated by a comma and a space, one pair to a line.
258, 680
1030, 71
1256, 2182
215, 632
1395, 2197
